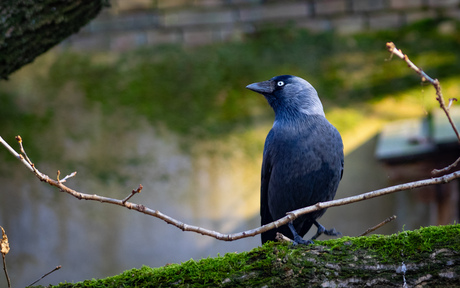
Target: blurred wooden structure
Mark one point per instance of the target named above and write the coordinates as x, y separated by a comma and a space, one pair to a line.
411, 149
131, 24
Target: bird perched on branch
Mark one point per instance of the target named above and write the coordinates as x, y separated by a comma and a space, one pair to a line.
302, 159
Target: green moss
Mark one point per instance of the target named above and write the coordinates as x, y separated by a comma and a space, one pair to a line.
284, 265
403, 245
199, 92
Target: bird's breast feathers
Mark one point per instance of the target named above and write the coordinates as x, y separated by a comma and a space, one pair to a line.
308, 146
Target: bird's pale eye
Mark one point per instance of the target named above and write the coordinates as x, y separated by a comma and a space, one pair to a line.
280, 83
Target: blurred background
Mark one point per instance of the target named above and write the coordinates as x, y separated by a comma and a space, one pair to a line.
153, 93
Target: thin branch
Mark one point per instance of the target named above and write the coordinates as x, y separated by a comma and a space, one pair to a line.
4, 249
281, 238
19, 139
451, 101
249, 233
135, 191
388, 220
6, 272
437, 86
446, 169
67, 176
55, 269
15, 154
393, 50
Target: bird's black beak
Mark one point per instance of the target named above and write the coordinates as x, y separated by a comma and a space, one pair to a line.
266, 87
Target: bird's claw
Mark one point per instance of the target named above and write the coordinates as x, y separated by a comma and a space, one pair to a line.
299, 240
332, 232
322, 230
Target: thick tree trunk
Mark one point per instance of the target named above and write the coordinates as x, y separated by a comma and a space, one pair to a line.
29, 28
428, 257
323, 267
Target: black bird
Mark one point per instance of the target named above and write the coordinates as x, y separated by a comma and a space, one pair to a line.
302, 160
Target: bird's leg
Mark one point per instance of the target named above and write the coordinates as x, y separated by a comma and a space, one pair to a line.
321, 230
297, 238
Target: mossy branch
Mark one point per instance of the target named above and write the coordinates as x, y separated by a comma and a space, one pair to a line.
427, 257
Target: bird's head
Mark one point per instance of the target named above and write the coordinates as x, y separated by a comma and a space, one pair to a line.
289, 96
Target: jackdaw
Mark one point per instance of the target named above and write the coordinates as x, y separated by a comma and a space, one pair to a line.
302, 160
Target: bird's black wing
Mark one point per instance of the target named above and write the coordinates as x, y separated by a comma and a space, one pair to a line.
305, 168
265, 179
321, 183
266, 216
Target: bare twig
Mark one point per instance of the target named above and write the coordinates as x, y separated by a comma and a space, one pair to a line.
15, 154
55, 269
19, 139
451, 101
437, 86
68, 176
6, 272
138, 190
446, 169
389, 219
280, 237
4, 249
291, 216
393, 50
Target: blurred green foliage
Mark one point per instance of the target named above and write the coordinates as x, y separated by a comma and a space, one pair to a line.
201, 90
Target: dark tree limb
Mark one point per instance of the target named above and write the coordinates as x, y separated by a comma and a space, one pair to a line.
29, 28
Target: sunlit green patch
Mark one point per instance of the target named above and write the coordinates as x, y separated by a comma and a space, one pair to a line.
201, 91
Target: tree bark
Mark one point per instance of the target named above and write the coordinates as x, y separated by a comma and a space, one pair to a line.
428, 257
323, 267
30, 28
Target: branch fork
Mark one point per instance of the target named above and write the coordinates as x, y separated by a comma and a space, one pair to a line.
437, 86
